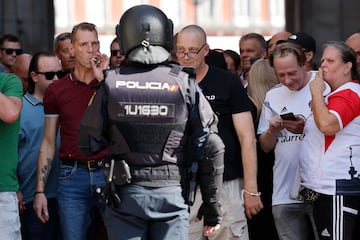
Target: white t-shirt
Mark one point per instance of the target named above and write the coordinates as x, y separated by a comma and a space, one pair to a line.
280, 100
324, 159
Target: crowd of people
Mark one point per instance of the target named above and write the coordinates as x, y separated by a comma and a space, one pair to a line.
170, 139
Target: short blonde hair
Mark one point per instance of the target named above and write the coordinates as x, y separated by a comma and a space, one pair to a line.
262, 77
84, 26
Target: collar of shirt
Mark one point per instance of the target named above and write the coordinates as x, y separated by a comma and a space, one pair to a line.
31, 99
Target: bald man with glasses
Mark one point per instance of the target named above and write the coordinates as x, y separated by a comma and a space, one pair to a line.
229, 101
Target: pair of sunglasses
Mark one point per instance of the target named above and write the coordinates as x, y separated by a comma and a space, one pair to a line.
51, 75
10, 51
115, 52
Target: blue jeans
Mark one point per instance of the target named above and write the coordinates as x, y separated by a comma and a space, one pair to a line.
9, 216
147, 213
33, 229
76, 198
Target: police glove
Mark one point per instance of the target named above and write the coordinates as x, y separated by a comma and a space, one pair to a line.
211, 212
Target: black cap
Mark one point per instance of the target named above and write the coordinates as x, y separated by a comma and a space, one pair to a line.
306, 41
216, 59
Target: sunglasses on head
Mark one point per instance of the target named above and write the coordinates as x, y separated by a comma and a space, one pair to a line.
115, 52
10, 51
51, 75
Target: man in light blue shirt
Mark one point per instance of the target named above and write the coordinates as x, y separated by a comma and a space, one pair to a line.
43, 70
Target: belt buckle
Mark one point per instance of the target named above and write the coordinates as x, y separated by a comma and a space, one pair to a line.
89, 165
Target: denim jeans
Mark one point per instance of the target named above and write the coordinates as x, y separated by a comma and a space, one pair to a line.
9, 216
33, 229
76, 199
147, 213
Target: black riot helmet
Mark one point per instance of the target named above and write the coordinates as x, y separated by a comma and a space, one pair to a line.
145, 31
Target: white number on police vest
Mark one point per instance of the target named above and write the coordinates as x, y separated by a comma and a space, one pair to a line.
146, 110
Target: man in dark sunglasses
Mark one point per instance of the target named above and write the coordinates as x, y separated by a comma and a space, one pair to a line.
30, 135
10, 47
116, 56
51, 74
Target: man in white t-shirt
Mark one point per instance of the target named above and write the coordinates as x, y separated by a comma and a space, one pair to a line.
281, 125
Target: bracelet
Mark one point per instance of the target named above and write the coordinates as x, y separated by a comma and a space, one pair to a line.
254, 194
39, 192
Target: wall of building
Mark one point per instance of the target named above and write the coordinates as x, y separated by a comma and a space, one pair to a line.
37, 21
219, 17
224, 20
31, 20
324, 20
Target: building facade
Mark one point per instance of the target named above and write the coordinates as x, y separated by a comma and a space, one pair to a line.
223, 20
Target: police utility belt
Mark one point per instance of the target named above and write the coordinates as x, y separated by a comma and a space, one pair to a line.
120, 173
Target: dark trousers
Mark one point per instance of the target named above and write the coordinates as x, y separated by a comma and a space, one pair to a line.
337, 217
262, 225
33, 229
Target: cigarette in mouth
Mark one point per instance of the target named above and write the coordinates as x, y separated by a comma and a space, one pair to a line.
96, 60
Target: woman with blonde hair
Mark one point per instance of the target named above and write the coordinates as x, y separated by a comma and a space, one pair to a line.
262, 77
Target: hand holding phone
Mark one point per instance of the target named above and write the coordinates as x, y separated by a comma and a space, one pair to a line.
288, 116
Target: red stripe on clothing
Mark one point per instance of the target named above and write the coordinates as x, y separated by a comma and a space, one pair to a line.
347, 104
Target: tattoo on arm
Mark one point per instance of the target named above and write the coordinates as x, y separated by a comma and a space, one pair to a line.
45, 171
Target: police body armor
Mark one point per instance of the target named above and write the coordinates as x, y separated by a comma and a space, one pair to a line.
144, 119
148, 112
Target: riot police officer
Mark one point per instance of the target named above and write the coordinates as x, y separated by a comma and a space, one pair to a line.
161, 133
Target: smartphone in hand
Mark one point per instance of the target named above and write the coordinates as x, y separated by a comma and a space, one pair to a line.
288, 116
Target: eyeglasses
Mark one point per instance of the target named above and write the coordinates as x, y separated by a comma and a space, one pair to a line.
10, 51
115, 52
190, 54
51, 75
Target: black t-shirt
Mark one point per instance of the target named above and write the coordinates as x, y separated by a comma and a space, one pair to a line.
227, 96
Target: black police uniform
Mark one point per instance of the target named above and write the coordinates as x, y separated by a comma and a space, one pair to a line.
146, 114
142, 112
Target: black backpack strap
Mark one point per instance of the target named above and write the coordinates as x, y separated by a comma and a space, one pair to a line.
192, 90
